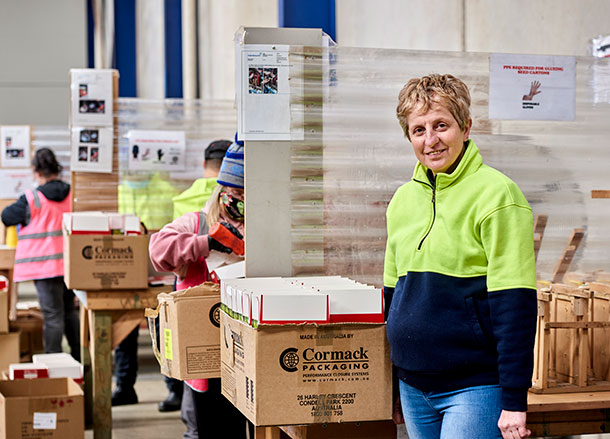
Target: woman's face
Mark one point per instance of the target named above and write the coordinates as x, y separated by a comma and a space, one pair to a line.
436, 137
232, 202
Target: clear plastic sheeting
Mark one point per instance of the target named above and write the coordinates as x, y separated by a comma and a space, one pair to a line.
338, 212
148, 194
57, 139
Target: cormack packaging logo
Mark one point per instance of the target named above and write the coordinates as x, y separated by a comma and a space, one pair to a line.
322, 360
107, 253
215, 315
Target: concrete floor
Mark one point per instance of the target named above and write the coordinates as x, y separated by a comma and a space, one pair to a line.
143, 420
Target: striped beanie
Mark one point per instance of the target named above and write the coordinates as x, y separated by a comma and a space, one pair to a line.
232, 169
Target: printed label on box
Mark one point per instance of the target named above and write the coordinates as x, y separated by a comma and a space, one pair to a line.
45, 421
167, 336
202, 358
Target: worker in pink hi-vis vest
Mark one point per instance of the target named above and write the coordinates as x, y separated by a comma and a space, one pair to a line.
39, 255
185, 246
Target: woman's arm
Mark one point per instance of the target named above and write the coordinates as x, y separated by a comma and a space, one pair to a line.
177, 244
16, 213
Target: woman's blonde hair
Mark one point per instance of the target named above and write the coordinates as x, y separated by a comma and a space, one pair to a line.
421, 93
213, 215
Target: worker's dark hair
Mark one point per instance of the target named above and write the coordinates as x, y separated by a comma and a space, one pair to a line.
45, 163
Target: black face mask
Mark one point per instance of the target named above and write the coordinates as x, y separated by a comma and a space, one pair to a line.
233, 206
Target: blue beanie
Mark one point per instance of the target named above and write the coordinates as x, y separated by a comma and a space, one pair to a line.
232, 169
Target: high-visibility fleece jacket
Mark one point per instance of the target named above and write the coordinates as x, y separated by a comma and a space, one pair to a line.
148, 197
460, 281
194, 198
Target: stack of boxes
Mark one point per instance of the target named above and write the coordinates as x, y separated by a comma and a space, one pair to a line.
104, 251
33, 403
59, 365
316, 347
9, 341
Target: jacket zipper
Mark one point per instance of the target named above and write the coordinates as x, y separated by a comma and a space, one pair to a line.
433, 212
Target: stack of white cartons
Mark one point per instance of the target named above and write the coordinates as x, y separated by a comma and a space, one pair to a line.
297, 300
19, 371
60, 365
101, 223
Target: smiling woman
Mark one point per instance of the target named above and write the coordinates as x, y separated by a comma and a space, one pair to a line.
459, 277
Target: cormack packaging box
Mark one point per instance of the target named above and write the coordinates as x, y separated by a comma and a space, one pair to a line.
9, 350
3, 310
189, 332
105, 262
316, 374
50, 408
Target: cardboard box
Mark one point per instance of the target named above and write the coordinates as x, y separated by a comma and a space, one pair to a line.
315, 374
50, 408
9, 349
7, 258
105, 262
189, 328
3, 311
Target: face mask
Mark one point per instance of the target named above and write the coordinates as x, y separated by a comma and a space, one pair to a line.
233, 206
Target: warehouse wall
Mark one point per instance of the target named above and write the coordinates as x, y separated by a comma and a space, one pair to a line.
559, 27
218, 22
39, 42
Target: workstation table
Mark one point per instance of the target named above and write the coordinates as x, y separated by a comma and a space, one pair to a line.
7, 260
561, 414
107, 317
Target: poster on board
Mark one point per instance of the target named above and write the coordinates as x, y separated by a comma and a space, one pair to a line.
157, 150
15, 182
91, 149
91, 96
264, 93
15, 146
532, 87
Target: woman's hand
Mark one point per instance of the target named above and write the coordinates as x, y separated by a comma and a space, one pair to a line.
397, 412
512, 425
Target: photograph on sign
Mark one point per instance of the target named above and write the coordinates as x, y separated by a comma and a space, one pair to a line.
15, 182
16, 146
92, 149
157, 150
532, 87
264, 94
92, 97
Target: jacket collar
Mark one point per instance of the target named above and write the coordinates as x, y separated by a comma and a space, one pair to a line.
470, 163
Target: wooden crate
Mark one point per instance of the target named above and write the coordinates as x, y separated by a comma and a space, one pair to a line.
572, 351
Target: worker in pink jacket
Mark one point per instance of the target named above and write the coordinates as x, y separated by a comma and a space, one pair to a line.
184, 247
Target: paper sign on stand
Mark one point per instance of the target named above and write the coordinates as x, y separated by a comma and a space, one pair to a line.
92, 97
157, 150
15, 146
92, 149
15, 182
263, 93
532, 87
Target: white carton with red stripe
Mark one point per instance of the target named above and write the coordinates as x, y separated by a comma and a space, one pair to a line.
320, 300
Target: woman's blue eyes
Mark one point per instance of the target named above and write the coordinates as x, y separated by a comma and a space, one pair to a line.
440, 125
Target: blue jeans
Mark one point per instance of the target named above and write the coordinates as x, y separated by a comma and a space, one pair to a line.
467, 413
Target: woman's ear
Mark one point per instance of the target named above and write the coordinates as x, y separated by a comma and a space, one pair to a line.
467, 129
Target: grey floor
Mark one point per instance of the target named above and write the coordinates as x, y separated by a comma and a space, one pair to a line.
143, 420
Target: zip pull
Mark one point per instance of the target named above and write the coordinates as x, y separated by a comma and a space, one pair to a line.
433, 217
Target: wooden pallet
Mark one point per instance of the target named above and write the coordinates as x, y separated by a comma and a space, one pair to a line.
572, 352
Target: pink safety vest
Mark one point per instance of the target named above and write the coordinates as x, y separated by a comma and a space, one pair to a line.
196, 274
39, 253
